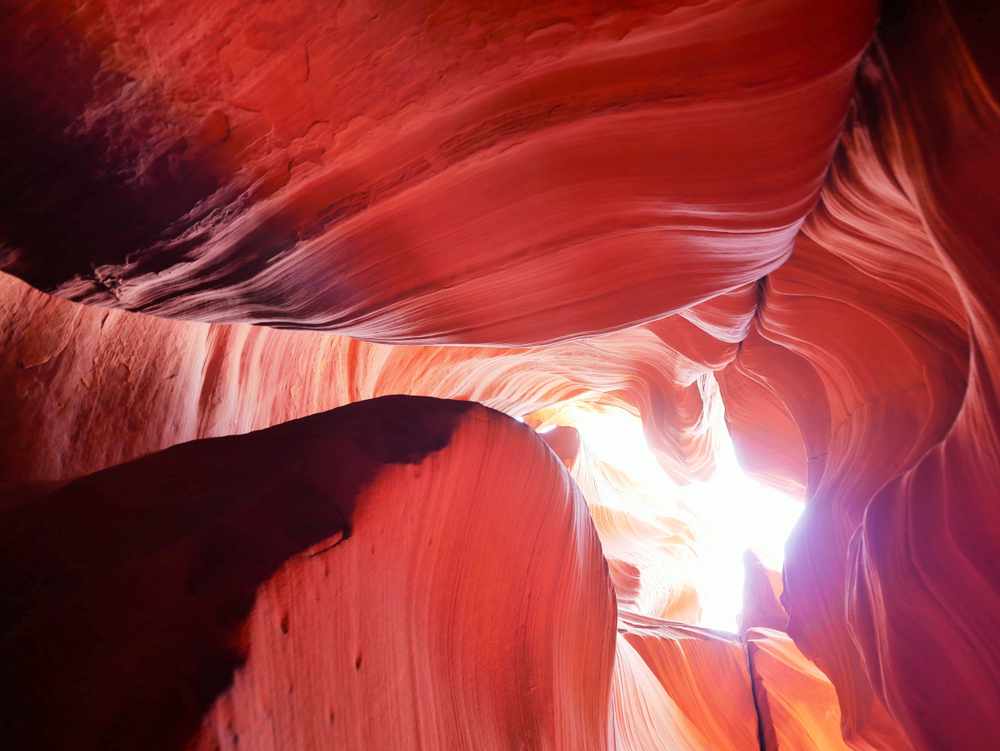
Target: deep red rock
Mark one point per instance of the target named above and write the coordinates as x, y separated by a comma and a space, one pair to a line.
655, 207
426, 170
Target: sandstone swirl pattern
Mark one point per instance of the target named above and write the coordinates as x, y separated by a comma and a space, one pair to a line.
228, 229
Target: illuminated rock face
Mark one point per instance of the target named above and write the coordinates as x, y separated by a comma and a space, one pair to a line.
704, 673
757, 205
651, 545
85, 388
894, 404
762, 589
796, 703
377, 550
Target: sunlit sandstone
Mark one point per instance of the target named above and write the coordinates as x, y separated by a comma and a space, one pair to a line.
785, 209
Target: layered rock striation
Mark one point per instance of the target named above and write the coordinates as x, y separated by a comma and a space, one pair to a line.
230, 229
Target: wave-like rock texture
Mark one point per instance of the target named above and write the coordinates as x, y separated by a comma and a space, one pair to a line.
702, 675
892, 580
675, 685
924, 566
513, 177
373, 577
407, 174
85, 388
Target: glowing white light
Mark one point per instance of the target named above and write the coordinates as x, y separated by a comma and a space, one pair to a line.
737, 512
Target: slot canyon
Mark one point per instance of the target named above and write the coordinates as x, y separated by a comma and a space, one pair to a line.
306, 307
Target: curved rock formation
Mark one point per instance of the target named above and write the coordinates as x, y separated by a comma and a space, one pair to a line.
85, 388
662, 207
382, 551
910, 584
881, 399
705, 675
421, 169
650, 542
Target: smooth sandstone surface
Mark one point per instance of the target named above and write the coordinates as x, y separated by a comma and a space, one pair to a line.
762, 590
703, 672
796, 702
783, 208
893, 405
262, 591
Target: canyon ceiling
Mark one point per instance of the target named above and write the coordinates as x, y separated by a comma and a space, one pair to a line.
279, 274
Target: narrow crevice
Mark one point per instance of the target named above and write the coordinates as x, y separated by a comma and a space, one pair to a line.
761, 733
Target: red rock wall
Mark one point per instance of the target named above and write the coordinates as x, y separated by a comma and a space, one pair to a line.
923, 567
514, 180
428, 171
894, 413
85, 388
371, 577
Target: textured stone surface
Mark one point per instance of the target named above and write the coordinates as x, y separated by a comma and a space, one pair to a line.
705, 675
894, 403
760, 205
427, 170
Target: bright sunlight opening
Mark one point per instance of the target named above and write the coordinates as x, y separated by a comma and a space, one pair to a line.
737, 512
